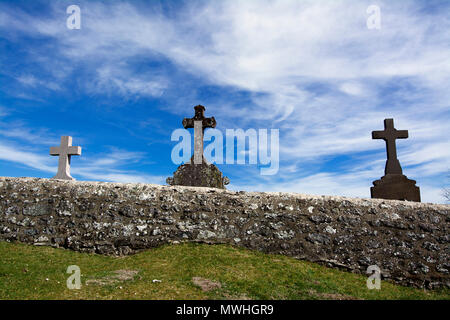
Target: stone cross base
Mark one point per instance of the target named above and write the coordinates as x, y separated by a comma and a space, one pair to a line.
198, 175
395, 187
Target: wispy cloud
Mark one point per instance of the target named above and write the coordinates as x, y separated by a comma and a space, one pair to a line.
310, 68
18, 130
102, 167
32, 81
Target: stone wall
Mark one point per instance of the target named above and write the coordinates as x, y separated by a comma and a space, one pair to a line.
408, 241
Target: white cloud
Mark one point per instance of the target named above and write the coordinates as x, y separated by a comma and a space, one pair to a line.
29, 159
32, 81
325, 183
120, 176
311, 68
353, 184
3, 111
103, 167
352, 88
119, 80
18, 131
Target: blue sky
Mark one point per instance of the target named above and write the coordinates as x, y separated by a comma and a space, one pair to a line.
311, 69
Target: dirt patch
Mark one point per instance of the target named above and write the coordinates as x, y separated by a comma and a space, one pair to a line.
331, 296
124, 275
117, 276
242, 296
206, 284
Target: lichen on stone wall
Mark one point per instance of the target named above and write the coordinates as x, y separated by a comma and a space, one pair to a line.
409, 242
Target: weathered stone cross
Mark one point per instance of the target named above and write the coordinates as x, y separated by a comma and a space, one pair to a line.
390, 134
65, 151
199, 123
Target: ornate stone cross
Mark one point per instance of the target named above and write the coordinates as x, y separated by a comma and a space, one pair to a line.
65, 151
199, 123
390, 134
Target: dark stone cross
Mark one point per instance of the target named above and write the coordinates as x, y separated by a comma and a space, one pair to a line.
65, 151
198, 172
390, 134
393, 185
199, 122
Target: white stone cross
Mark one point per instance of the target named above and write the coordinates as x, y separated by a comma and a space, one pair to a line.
65, 151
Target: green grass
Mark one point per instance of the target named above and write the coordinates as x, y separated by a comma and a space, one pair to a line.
30, 272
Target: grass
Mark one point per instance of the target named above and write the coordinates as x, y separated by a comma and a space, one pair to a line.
30, 272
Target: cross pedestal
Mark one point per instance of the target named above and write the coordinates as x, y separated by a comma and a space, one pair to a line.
393, 185
198, 172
